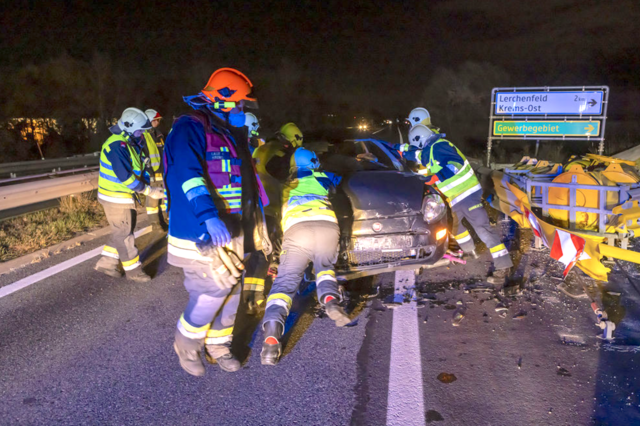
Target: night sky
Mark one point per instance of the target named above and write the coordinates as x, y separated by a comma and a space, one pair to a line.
366, 54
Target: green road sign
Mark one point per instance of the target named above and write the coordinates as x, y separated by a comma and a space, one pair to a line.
543, 129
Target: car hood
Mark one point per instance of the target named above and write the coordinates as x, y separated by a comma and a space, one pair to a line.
376, 194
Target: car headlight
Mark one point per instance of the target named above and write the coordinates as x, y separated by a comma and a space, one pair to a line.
433, 208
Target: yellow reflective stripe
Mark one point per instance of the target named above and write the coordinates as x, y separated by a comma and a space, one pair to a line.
280, 296
220, 333
497, 248
477, 206
464, 234
110, 249
153, 210
332, 273
460, 177
191, 329
226, 164
252, 280
183, 244
464, 195
185, 249
230, 191
115, 194
126, 263
193, 183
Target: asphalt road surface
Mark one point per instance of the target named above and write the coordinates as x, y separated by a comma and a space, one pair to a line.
81, 348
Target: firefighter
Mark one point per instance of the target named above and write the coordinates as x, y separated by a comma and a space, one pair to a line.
273, 161
420, 116
153, 148
455, 179
253, 124
215, 200
274, 157
311, 233
121, 180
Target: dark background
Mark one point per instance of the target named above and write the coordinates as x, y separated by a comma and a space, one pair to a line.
80, 59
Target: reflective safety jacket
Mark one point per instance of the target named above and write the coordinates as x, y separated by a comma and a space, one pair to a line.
456, 178
305, 198
154, 155
121, 171
204, 178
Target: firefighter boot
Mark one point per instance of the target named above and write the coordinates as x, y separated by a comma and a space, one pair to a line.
271, 348
109, 266
138, 275
115, 272
471, 254
335, 312
221, 355
188, 351
498, 278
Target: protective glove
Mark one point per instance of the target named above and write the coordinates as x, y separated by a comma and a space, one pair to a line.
404, 147
226, 266
414, 155
218, 230
153, 192
254, 298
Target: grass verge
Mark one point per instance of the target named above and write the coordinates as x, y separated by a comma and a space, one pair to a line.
34, 231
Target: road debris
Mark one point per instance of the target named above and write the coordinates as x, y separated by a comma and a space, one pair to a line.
520, 315
447, 377
434, 416
458, 316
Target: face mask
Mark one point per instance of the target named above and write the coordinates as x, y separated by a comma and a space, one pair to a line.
237, 119
138, 133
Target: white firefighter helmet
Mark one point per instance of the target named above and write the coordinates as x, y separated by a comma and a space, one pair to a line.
419, 135
419, 116
153, 114
133, 120
252, 124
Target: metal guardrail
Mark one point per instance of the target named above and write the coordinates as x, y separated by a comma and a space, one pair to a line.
24, 194
11, 170
54, 174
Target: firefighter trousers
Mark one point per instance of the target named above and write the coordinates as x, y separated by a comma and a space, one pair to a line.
121, 247
211, 311
155, 207
473, 211
313, 241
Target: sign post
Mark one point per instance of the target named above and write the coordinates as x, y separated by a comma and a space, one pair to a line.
548, 113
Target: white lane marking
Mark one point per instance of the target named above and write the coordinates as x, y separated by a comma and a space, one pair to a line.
32, 279
405, 403
400, 135
378, 131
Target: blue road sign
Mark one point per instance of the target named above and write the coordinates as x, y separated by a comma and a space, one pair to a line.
549, 103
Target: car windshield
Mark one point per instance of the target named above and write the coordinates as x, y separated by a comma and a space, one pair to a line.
358, 155
369, 154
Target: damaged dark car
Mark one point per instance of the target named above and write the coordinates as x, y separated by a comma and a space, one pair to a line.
389, 218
